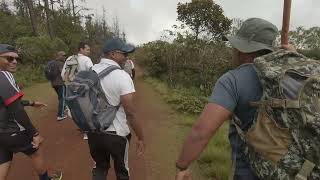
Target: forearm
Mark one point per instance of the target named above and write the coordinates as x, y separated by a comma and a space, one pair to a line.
135, 125
17, 111
198, 142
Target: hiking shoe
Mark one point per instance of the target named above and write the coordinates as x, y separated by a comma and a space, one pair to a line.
68, 112
56, 176
85, 136
61, 118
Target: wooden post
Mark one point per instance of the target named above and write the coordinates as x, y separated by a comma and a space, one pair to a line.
286, 22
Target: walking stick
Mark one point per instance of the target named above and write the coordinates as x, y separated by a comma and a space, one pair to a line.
286, 22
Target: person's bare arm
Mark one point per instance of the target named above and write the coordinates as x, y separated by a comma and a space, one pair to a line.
129, 108
212, 117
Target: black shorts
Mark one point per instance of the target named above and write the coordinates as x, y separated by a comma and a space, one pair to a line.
13, 143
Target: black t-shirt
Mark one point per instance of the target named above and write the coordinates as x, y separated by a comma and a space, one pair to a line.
9, 93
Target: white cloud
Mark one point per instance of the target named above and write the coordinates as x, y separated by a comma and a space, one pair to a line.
144, 20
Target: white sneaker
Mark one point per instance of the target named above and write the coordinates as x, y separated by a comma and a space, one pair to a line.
85, 136
68, 112
61, 118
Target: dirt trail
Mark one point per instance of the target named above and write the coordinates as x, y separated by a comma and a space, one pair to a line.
67, 151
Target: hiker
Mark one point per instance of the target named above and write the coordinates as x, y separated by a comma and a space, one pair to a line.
129, 68
231, 95
119, 89
75, 64
17, 134
53, 74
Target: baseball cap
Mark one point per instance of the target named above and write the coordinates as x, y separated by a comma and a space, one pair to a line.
4, 48
117, 44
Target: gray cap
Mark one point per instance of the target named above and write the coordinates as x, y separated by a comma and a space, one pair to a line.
4, 48
255, 34
117, 44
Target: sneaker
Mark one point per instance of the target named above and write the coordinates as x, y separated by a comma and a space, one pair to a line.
61, 118
85, 136
56, 176
68, 112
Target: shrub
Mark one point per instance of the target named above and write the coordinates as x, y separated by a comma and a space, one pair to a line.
186, 63
28, 75
38, 50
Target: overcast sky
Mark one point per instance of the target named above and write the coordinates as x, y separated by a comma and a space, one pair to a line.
143, 20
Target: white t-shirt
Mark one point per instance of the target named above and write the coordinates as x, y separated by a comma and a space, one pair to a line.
84, 64
128, 66
116, 84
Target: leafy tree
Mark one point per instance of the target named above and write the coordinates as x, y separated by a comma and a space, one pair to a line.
204, 16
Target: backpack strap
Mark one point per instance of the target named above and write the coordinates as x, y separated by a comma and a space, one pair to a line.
104, 73
305, 170
108, 70
277, 103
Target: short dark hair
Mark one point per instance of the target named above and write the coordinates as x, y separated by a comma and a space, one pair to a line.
82, 45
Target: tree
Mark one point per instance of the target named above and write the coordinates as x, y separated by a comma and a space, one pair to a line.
4, 7
29, 4
116, 27
48, 19
236, 24
204, 16
303, 38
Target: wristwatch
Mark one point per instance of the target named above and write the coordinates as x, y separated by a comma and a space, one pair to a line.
180, 168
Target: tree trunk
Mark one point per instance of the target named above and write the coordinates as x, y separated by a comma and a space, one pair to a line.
48, 21
29, 4
73, 11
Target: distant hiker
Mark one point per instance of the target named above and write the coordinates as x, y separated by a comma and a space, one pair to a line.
53, 73
129, 68
119, 90
231, 96
75, 64
17, 134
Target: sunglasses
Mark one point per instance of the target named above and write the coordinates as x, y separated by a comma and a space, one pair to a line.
10, 58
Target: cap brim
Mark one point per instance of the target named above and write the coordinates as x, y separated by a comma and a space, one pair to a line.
246, 46
128, 48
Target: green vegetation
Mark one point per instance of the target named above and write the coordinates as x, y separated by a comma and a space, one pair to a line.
41, 28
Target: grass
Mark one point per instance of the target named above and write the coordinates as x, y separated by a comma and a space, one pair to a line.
214, 162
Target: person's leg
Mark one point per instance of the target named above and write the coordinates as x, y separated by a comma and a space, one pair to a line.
38, 162
99, 155
40, 165
119, 154
4, 170
5, 162
61, 97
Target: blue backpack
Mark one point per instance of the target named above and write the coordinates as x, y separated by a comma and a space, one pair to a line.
87, 102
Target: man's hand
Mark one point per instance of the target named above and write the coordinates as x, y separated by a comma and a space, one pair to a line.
37, 141
39, 104
184, 175
288, 47
140, 147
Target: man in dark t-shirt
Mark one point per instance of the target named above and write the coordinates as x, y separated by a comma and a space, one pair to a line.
17, 133
231, 95
58, 84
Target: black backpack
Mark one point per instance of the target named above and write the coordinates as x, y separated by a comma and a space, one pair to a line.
50, 71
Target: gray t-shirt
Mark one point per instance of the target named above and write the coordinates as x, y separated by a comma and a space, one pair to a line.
234, 91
